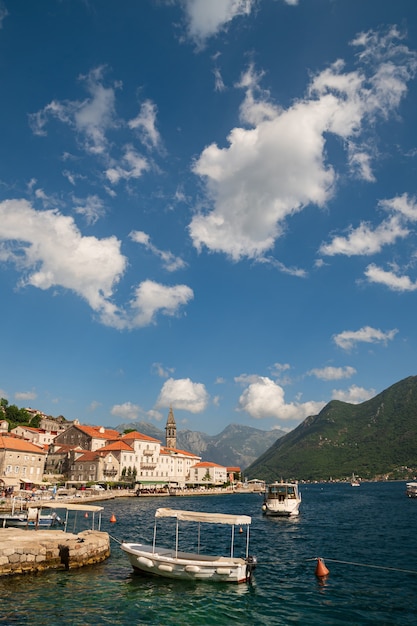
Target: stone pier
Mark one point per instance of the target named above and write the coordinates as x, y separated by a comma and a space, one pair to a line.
29, 551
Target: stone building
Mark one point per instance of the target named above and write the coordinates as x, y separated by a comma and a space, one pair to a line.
87, 437
22, 463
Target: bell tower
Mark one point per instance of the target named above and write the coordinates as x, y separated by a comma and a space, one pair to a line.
171, 430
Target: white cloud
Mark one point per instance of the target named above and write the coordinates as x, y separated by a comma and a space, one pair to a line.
48, 250
132, 165
94, 405
170, 262
353, 395
25, 395
364, 240
264, 398
376, 274
152, 298
145, 123
207, 18
404, 205
218, 80
278, 166
349, 338
90, 118
95, 115
127, 411
183, 394
332, 373
92, 208
162, 371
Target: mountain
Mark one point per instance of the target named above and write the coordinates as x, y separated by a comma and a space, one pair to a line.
235, 446
377, 438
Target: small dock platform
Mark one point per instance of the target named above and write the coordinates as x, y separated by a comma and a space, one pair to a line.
29, 551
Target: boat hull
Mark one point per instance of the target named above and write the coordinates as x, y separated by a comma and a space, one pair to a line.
185, 566
272, 511
21, 521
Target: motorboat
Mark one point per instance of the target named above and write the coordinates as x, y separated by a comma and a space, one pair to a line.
282, 499
31, 517
173, 563
411, 490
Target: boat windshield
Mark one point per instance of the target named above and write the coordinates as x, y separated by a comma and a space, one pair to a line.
281, 491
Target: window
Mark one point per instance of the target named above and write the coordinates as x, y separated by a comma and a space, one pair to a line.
16, 469
8, 469
24, 471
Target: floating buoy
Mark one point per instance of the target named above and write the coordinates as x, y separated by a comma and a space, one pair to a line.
113, 518
85, 515
241, 529
321, 569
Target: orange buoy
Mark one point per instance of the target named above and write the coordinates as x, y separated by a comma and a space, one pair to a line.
85, 514
321, 569
113, 518
241, 529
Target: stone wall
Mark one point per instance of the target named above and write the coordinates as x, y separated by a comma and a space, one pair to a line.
29, 551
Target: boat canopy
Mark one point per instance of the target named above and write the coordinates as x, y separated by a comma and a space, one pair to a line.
78, 507
210, 518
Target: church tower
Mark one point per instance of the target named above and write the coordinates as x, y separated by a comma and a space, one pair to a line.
171, 430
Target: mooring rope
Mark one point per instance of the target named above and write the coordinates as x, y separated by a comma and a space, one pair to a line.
384, 567
115, 539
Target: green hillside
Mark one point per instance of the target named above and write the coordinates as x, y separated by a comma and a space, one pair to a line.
373, 439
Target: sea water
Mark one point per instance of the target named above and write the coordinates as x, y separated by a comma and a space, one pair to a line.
365, 535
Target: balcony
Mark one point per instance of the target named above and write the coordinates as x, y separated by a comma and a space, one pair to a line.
110, 472
148, 452
148, 465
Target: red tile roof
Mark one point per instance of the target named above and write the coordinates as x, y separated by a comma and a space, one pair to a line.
117, 446
135, 435
14, 443
94, 431
165, 450
207, 464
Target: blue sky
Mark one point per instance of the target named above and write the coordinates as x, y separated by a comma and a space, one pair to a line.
209, 205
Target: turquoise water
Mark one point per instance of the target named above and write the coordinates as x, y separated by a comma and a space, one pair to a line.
373, 526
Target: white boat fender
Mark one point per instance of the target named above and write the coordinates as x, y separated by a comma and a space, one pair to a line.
144, 561
165, 568
223, 571
193, 569
251, 563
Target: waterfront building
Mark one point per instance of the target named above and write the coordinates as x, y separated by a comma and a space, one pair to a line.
205, 473
111, 463
22, 463
175, 465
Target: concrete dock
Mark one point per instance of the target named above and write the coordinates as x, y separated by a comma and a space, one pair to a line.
28, 551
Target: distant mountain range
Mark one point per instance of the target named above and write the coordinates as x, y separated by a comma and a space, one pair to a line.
374, 439
235, 446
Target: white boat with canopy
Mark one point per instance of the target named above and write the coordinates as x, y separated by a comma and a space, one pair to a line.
174, 563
